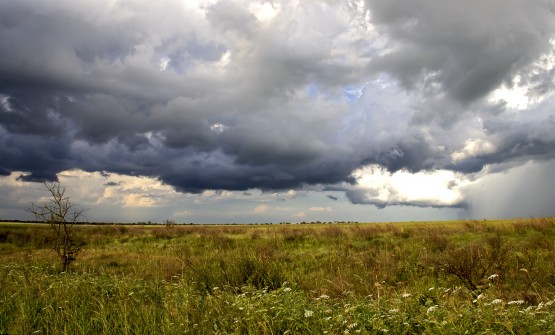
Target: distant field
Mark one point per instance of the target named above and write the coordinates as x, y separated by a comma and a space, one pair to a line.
457, 277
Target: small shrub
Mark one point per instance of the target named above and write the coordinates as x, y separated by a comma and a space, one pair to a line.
62, 215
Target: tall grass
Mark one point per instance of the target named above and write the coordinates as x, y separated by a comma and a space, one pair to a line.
432, 278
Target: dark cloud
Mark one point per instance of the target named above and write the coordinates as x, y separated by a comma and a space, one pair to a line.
229, 16
413, 154
467, 49
334, 198
111, 183
217, 98
516, 151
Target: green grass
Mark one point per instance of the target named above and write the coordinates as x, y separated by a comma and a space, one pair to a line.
471, 277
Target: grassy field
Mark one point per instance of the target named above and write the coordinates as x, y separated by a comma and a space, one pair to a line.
471, 277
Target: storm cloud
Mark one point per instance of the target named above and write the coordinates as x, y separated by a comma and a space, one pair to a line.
241, 95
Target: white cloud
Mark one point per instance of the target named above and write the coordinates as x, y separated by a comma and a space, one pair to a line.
260, 209
266, 11
290, 194
138, 200
520, 95
5, 103
164, 62
299, 215
473, 147
183, 213
128, 191
375, 185
320, 209
218, 128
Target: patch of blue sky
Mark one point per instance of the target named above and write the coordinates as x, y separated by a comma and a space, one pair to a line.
313, 90
352, 93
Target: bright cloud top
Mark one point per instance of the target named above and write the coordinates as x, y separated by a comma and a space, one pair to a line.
375, 185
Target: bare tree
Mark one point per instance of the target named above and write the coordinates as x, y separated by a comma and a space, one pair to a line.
62, 215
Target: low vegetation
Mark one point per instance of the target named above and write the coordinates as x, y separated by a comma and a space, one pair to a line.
471, 277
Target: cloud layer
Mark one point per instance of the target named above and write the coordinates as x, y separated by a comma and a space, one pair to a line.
239, 95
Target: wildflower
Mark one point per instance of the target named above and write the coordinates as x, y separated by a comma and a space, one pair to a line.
352, 325
287, 289
406, 295
493, 276
324, 296
431, 309
308, 313
515, 302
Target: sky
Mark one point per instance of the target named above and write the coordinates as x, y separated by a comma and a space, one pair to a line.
245, 111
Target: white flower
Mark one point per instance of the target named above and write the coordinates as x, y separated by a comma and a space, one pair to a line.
431, 309
308, 313
287, 289
496, 302
352, 325
515, 302
324, 296
493, 276
405, 295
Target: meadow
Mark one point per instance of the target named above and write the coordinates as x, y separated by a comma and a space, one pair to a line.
464, 277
